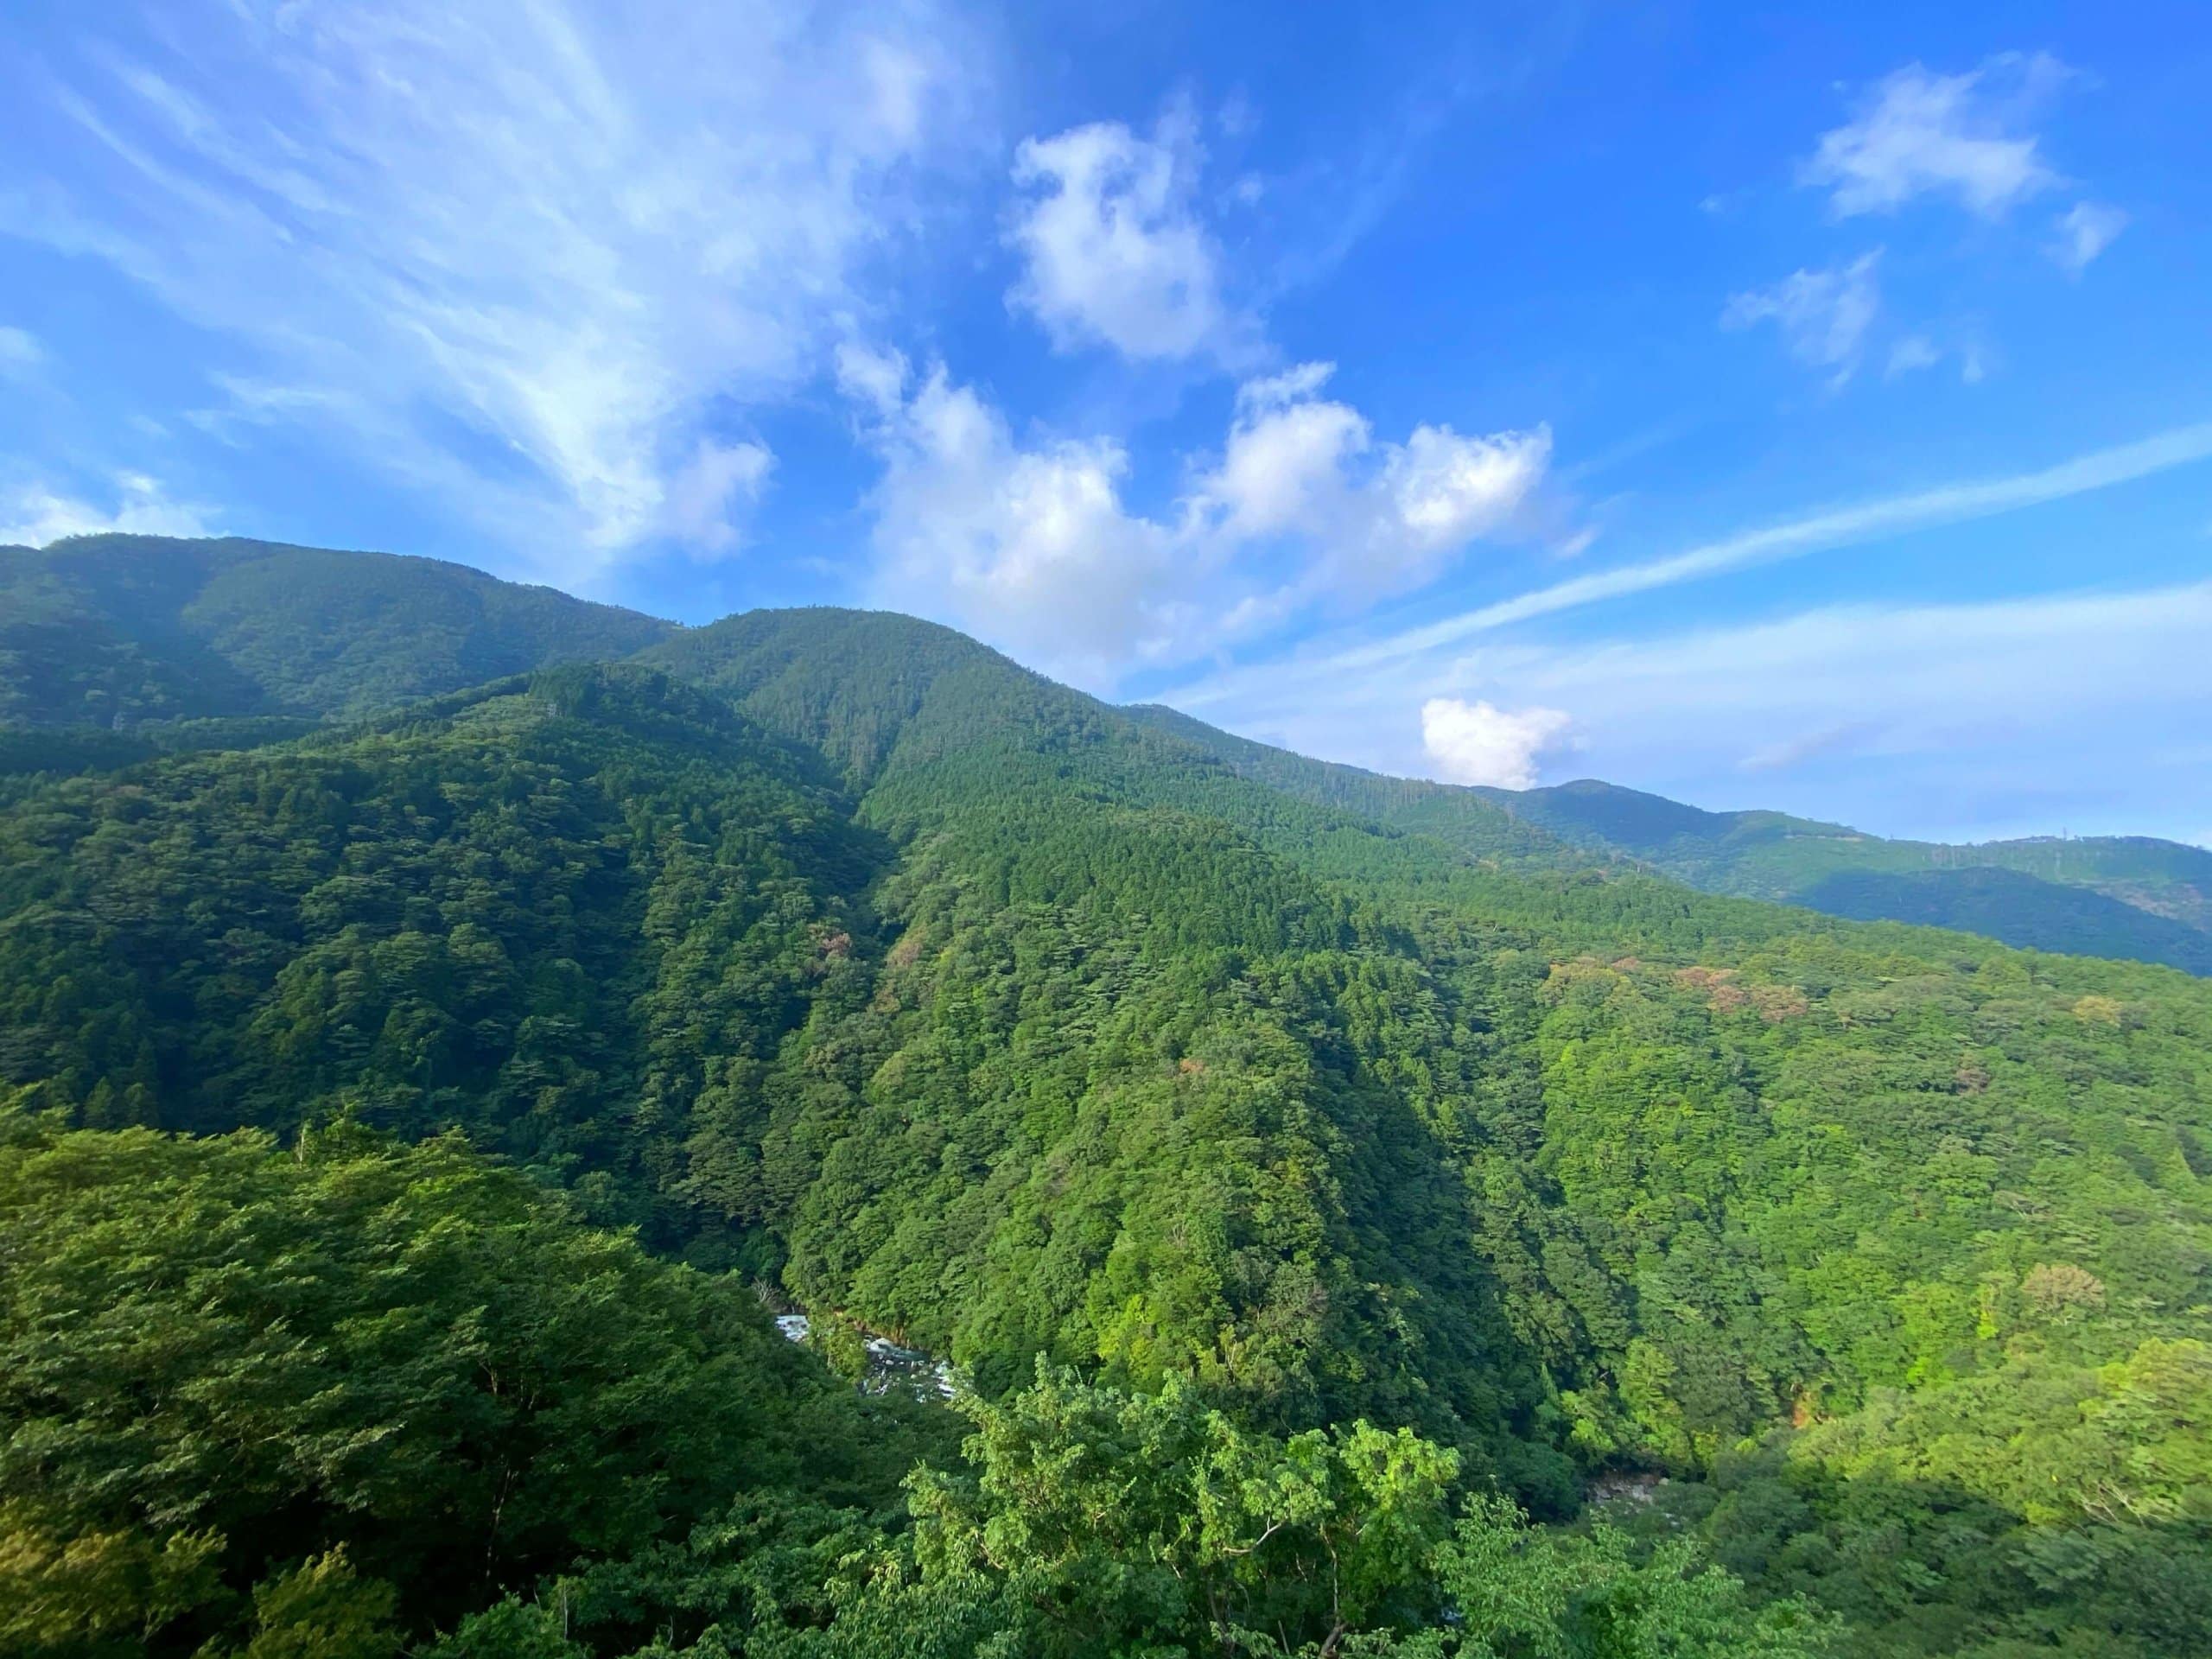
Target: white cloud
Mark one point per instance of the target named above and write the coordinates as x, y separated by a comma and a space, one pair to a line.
1032, 545
877, 378
1283, 467
708, 493
1382, 517
516, 254
1444, 489
1825, 531
35, 514
1887, 679
1823, 315
20, 352
1477, 743
2083, 232
1266, 391
1904, 718
1915, 352
1113, 249
1915, 133
1031, 548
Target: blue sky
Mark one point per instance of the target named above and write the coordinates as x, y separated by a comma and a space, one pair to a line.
1809, 412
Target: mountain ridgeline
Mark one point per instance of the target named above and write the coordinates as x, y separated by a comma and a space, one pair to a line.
120, 634
2128, 896
1290, 1160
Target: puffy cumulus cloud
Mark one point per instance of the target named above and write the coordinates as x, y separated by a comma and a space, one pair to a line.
1908, 714
1113, 249
514, 254
2083, 232
1030, 547
1824, 315
1478, 743
1034, 546
1380, 518
1251, 694
35, 514
1919, 701
1283, 467
1916, 134
1443, 490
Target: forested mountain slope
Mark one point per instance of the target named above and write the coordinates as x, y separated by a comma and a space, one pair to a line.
833, 950
2132, 897
2098, 895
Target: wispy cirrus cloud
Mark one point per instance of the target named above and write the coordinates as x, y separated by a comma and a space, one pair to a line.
2083, 232
1915, 133
1955, 708
531, 260
1825, 530
1824, 315
1970, 686
20, 352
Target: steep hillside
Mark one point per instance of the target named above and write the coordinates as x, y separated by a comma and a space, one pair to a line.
457, 917
610, 928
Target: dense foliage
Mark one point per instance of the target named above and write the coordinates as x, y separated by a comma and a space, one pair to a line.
389, 1382
2098, 896
329, 1401
2126, 896
1302, 1169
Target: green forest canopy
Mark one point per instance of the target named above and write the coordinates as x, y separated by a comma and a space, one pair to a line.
1382, 1172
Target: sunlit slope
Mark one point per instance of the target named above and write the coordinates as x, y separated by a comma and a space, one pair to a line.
833, 948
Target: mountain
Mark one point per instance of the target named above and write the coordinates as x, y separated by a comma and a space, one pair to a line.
1285, 1156
118, 632
2101, 895
115, 648
2126, 896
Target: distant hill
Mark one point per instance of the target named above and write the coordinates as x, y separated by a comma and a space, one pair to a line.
116, 649
2132, 897
118, 632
